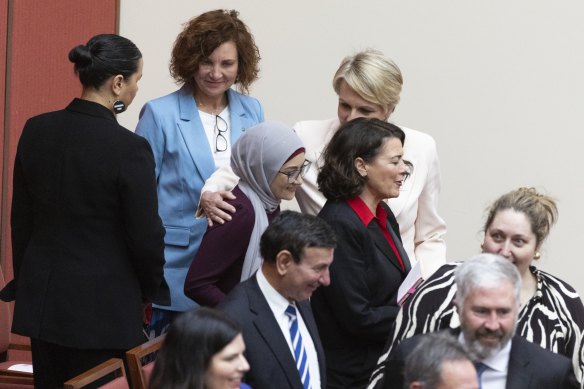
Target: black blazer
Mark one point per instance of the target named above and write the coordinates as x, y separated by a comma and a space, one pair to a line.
86, 236
355, 313
530, 366
272, 365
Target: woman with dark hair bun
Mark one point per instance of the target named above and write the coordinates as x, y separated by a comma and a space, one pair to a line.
203, 349
86, 236
104, 56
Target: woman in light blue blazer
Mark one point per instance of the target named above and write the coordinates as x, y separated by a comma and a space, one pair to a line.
191, 132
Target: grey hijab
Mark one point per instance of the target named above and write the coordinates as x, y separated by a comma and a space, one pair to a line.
256, 158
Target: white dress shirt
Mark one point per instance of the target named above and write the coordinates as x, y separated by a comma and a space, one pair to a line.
221, 158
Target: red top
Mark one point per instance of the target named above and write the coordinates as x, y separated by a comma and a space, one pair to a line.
365, 214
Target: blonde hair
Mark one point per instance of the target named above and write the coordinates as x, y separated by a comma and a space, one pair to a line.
541, 210
373, 76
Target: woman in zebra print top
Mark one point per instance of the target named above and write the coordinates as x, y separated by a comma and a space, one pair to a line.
551, 313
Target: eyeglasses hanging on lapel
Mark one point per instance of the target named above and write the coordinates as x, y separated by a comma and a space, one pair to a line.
221, 128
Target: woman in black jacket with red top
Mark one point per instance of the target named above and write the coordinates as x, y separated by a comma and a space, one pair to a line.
363, 165
86, 236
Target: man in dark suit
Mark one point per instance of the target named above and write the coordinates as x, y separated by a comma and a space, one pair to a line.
439, 361
282, 343
487, 300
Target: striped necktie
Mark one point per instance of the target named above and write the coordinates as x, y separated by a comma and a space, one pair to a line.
299, 351
480, 367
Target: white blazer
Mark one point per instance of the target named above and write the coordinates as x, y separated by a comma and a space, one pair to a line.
416, 208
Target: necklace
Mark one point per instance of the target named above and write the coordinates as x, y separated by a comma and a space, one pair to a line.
212, 109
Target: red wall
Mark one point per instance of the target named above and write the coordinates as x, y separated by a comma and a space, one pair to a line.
3, 40
35, 38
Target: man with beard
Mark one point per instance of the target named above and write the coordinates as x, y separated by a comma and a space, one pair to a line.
487, 300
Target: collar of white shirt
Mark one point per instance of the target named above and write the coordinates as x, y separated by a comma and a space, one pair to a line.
276, 301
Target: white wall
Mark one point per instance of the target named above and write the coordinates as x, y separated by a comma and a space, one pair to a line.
499, 84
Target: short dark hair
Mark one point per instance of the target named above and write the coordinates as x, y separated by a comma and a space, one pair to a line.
363, 137
294, 232
192, 340
202, 35
104, 56
425, 362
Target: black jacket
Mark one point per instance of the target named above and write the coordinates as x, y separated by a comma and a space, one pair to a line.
272, 365
86, 236
355, 312
530, 366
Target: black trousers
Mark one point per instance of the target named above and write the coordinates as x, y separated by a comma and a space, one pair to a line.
54, 364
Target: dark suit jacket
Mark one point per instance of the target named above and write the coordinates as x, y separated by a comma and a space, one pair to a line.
355, 313
86, 236
271, 363
530, 366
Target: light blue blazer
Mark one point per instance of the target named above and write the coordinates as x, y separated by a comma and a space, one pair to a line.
184, 161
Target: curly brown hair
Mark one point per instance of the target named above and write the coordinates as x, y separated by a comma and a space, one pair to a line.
338, 178
202, 35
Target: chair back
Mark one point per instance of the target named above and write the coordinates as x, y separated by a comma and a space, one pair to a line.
118, 383
9, 378
12, 382
140, 369
4, 321
113, 365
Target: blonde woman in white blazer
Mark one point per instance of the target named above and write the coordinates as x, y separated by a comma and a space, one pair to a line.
421, 227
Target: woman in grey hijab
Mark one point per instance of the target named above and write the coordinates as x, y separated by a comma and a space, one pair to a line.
269, 159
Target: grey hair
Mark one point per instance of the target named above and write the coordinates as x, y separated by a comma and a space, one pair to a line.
424, 364
485, 271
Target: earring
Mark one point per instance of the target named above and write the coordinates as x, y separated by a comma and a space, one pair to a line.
482, 247
119, 106
537, 255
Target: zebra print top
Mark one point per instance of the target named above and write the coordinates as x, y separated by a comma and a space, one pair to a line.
553, 318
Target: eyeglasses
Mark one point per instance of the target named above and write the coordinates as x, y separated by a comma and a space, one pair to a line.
409, 169
299, 171
221, 127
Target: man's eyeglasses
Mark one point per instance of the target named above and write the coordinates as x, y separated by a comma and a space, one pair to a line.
295, 172
221, 128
